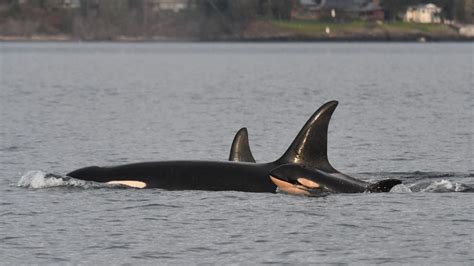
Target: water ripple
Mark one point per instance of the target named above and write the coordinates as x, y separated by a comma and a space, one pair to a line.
77, 104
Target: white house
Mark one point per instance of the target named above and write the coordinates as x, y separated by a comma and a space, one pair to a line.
424, 13
71, 3
170, 5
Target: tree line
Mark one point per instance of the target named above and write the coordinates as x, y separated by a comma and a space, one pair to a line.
104, 19
207, 19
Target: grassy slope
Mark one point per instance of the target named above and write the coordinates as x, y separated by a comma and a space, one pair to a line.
317, 28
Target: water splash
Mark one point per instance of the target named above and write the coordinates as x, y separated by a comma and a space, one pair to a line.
40, 179
402, 188
432, 182
446, 186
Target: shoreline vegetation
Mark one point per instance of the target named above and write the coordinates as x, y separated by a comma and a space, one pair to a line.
285, 31
221, 21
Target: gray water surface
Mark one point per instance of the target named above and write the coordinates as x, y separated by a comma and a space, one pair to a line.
406, 111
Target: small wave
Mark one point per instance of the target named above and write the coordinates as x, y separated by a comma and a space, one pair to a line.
446, 186
401, 188
416, 175
40, 179
435, 182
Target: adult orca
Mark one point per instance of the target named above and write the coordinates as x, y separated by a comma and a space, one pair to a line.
306, 156
289, 177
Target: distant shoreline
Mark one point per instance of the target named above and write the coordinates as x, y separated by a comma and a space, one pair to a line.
292, 31
276, 39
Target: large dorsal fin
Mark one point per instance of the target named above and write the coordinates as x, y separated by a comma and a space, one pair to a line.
310, 145
240, 150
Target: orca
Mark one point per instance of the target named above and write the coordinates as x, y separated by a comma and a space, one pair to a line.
303, 169
289, 177
297, 178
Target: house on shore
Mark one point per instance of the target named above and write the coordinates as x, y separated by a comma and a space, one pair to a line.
170, 5
338, 9
423, 13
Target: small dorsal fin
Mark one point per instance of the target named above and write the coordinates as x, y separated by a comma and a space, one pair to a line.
310, 145
240, 150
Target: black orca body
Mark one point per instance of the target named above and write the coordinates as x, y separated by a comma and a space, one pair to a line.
303, 169
186, 175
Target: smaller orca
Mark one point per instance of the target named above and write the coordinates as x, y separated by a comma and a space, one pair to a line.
299, 179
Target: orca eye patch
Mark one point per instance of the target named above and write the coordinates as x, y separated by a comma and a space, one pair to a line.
300, 186
307, 183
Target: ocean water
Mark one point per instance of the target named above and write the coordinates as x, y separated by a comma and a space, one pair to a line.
406, 111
